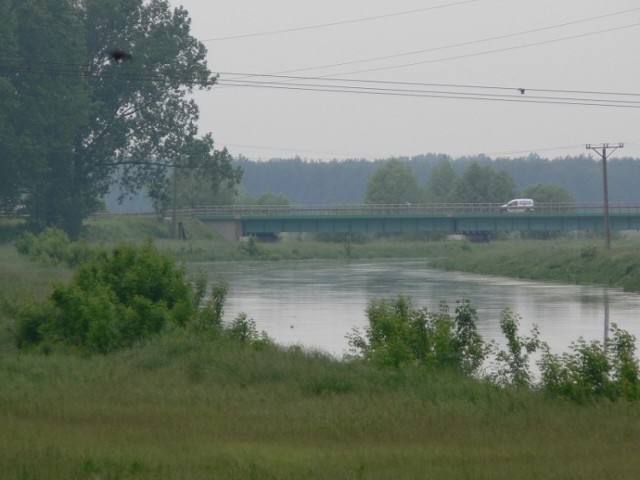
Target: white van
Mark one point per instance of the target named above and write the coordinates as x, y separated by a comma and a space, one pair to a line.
518, 205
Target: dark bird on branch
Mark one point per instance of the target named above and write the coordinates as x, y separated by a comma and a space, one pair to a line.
119, 55
521, 90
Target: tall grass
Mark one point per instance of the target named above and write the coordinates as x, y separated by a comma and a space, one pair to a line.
565, 260
187, 406
190, 405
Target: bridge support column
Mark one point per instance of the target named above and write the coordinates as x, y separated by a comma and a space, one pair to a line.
229, 229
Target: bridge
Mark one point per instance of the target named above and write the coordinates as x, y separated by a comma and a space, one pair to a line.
234, 222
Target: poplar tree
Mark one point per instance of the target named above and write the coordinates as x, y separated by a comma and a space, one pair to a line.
95, 93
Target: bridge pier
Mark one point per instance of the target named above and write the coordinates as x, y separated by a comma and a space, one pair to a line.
230, 230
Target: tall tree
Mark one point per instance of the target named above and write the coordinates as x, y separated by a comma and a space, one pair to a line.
484, 184
548, 193
441, 184
9, 186
102, 95
393, 183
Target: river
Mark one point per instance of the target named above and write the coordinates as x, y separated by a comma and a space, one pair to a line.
315, 304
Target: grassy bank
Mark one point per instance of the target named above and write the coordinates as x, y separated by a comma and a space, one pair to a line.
186, 406
204, 244
189, 405
563, 260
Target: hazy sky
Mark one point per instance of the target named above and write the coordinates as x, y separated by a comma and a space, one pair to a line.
407, 55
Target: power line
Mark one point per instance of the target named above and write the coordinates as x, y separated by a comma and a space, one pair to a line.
298, 151
353, 155
342, 22
354, 88
463, 44
534, 150
245, 75
487, 52
435, 94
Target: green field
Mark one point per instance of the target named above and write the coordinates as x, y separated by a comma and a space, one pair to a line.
188, 405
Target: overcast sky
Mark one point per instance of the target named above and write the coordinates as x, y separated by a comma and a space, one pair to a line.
582, 52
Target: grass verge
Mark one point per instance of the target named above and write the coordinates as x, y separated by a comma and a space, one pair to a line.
187, 406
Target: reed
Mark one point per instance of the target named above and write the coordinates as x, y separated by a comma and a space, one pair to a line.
193, 406
580, 261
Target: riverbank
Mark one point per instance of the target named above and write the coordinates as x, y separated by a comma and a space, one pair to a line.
570, 260
574, 261
190, 405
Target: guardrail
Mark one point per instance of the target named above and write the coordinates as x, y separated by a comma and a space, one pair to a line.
417, 209
443, 209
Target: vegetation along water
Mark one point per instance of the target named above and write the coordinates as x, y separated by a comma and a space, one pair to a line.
152, 385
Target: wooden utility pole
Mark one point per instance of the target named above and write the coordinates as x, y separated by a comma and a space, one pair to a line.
604, 147
175, 201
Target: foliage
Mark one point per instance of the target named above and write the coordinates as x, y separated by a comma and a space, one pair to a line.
308, 182
252, 248
243, 330
76, 119
393, 183
112, 301
548, 193
513, 368
265, 198
440, 187
594, 370
568, 260
209, 316
399, 334
54, 246
193, 189
484, 184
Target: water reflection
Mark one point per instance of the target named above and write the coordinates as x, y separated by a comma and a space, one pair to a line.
317, 303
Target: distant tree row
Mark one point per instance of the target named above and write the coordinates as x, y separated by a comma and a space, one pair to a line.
395, 183
307, 182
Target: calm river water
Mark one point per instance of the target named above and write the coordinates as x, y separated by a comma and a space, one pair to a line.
317, 303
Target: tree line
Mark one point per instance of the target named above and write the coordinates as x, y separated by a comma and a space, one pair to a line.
307, 182
430, 178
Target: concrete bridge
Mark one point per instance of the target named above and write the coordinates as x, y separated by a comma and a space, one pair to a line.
234, 222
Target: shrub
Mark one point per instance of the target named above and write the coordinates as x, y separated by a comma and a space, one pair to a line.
513, 363
209, 316
243, 330
593, 370
54, 246
112, 301
399, 334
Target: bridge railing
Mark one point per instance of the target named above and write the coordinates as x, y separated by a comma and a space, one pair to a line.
444, 209
355, 209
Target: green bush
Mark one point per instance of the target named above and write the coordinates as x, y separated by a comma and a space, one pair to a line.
54, 246
243, 330
398, 334
594, 370
209, 315
113, 300
513, 368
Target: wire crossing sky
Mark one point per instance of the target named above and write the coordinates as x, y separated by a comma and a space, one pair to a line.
375, 79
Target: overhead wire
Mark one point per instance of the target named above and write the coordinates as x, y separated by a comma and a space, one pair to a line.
352, 155
341, 22
488, 52
244, 75
381, 88
433, 94
462, 44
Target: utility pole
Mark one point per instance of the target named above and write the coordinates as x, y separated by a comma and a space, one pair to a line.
604, 147
174, 205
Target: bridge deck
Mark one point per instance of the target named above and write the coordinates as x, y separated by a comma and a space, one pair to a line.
449, 218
